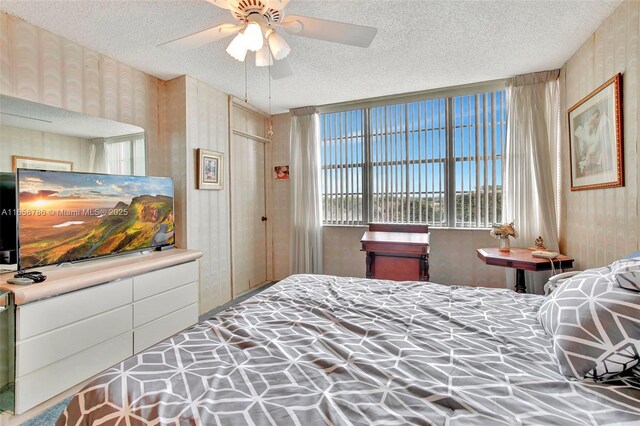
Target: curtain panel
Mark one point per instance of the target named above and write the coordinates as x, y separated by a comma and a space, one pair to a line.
306, 203
98, 156
533, 123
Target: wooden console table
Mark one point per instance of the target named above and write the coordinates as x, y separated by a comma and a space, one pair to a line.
521, 260
397, 252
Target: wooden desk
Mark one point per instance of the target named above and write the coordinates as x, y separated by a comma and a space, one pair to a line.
521, 260
400, 256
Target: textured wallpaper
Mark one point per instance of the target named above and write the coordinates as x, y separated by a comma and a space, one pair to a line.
43, 67
601, 225
281, 197
208, 210
34, 143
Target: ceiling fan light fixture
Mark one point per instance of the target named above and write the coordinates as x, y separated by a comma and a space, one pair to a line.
253, 39
237, 48
278, 45
263, 57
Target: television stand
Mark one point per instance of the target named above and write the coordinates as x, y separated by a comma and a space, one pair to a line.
91, 315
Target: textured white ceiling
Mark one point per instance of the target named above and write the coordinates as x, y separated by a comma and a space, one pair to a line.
420, 44
16, 112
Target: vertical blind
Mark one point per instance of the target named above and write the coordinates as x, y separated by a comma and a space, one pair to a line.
436, 161
126, 155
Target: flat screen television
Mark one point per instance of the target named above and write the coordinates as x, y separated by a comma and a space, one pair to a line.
7, 218
70, 216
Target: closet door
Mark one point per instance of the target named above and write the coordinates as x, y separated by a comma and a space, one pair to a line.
249, 246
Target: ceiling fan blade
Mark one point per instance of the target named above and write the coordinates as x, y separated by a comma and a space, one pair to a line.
281, 69
203, 37
337, 32
277, 4
224, 4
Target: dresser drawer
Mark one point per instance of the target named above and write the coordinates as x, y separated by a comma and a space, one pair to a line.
164, 279
46, 315
162, 328
162, 304
45, 349
47, 382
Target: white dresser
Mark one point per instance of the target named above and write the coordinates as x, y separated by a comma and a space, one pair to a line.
67, 338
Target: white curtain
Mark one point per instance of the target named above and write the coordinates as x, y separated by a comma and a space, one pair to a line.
98, 159
533, 121
306, 211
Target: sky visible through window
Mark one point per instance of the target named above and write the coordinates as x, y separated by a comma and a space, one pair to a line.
408, 146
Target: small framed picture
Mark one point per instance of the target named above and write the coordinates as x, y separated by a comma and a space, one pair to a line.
281, 172
210, 169
34, 163
595, 138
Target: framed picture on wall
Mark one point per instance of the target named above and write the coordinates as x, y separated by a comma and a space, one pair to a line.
281, 172
210, 169
595, 138
20, 162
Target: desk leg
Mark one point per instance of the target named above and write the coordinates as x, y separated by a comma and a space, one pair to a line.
424, 268
520, 285
369, 264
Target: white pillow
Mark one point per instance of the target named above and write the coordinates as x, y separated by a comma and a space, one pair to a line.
624, 265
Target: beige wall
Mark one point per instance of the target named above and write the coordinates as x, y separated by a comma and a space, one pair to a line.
453, 259
280, 196
599, 226
453, 252
43, 67
33, 143
172, 112
195, 115
208, 210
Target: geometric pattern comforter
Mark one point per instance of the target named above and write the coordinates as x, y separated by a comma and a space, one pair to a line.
316, 350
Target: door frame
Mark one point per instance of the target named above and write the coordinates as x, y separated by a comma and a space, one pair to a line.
234, 103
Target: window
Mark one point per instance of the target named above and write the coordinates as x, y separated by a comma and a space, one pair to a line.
126, 155
436, 161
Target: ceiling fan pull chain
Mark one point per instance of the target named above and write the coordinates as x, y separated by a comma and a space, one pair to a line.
270, 131
246, 95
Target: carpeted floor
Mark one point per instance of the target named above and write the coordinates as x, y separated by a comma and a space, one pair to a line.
49, 417
237, 300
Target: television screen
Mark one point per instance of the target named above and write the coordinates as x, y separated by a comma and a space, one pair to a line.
7, 217
66, 216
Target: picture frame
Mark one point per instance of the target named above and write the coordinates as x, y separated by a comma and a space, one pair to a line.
34, 163
281, 172
596, 138
210, 169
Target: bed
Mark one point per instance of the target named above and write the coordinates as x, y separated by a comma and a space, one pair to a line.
316, 349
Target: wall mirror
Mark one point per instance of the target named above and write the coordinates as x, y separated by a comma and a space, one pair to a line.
33, 135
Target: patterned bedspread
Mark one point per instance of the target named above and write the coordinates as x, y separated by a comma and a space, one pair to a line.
315, 350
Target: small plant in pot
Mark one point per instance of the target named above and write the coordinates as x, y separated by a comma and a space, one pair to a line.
503, 231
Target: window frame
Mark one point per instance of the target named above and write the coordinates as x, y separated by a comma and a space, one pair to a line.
131, 138
450, 161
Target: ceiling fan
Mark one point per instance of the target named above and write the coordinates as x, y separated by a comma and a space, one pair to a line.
256, 28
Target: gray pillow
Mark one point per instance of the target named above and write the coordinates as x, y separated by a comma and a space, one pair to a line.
595, 326
629, 279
